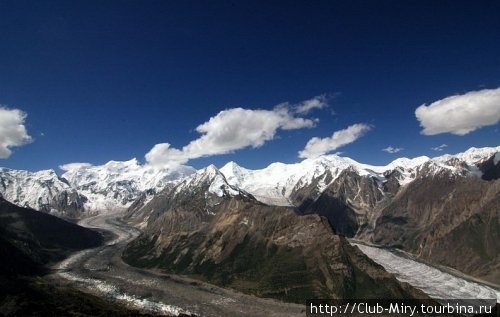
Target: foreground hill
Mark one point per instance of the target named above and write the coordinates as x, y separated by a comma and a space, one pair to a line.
29, 241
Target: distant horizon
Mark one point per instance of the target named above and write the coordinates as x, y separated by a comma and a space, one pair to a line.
60, 171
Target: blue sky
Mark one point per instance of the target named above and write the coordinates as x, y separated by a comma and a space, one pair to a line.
107, 80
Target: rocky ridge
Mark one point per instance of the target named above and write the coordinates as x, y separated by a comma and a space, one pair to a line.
206, 228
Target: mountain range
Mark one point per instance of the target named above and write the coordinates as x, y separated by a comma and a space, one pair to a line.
117, 184
281, 231
86, 189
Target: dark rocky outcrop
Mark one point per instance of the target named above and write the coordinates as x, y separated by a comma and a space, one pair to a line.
490, 170
347, 202
29, 240
32, 239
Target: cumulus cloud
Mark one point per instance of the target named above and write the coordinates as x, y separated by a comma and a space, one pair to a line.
392, 150
228, 131
439, 148
12, 130
460, 114
163, 155
317, 102
74, 166
316, 146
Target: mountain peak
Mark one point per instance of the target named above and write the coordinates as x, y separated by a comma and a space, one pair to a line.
231, 165
211, 179
407, 163
211, 170
48, 172
476, 155
122, 164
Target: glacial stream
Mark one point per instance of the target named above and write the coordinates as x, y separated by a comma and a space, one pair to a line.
431, 280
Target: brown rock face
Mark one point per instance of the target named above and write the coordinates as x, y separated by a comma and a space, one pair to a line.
443, 216
304, 196
447, 219
269, 251
348, 202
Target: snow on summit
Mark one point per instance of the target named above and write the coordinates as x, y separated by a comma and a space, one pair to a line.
275, 183
83, 187
117, 184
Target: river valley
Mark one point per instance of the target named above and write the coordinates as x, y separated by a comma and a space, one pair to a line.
101, 271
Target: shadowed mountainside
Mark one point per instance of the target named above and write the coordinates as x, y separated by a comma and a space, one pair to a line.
30, 240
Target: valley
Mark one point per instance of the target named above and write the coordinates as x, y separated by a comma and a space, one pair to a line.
102, 272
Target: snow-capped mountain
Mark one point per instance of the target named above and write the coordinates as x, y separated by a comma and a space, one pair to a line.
278, 183
275, 184
211, 177
43, 190
112, 186
117, 184
200, 192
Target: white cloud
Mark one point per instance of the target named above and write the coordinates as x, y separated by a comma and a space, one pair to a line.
228, 131
12, 130
439, 148
163, 155
74, 166
460, 114
317, 102
392, 150
316, 146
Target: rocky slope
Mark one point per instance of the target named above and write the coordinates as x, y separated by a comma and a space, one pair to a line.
439, 209
447, 219
207, 228
29, 240
448, 213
